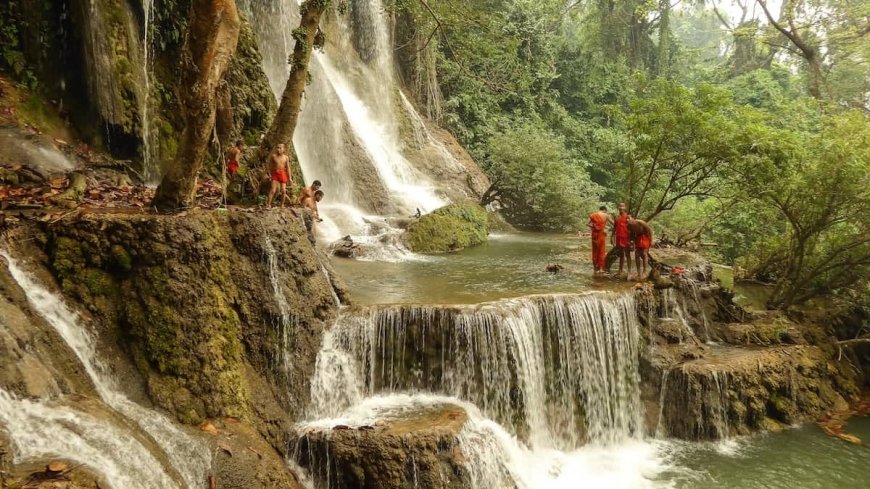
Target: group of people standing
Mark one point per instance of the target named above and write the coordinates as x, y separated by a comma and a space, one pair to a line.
629, 234
280, 176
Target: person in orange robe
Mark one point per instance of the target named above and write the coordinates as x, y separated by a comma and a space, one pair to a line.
598, 226
622, 238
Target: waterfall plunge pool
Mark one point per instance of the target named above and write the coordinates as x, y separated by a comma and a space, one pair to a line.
798, 458
509, 265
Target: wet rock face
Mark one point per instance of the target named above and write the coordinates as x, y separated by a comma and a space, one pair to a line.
736, 391
418, 451
242, 459
714, 370
222, 313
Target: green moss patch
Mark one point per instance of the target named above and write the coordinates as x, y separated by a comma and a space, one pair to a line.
450, 228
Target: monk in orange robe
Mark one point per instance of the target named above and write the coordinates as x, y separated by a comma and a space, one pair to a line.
598, 225
622, 238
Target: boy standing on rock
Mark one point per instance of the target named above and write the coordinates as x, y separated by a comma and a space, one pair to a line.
642, 235
279, 166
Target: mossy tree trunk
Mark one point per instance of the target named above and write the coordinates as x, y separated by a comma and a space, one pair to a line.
211, 41
284, 124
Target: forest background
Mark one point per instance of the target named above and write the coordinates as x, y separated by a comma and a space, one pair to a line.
740, 124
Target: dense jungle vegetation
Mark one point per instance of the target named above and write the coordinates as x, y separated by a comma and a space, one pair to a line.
737, 123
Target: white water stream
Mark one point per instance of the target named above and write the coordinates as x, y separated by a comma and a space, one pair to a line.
188, 456
349, 117
38, 429
550, 384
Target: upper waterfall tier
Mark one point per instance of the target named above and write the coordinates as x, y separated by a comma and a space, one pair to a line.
558, 370
357, 133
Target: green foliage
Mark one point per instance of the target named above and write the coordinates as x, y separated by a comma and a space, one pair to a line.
12, 56
682, 141
450, 228
537, 186
819, 184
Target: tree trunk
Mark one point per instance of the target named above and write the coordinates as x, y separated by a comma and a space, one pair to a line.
284, 124
212, 35
663, 63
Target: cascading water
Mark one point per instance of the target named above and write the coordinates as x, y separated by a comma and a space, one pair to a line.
39, 430
287, 322
189, 457
349, 132
550, 368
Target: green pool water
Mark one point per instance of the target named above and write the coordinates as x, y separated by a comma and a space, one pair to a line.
507, 266
798, 458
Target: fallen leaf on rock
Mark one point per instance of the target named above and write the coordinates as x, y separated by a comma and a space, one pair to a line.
56, 467
208, 428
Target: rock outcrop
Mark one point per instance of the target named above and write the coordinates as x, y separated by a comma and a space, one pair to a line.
450, 228
418, 450
714, 370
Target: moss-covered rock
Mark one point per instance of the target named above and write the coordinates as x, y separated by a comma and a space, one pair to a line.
193, 300
450, 228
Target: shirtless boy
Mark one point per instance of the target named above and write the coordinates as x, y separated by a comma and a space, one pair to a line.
279, 166
641, 233
233, 157
308, 192
311, 203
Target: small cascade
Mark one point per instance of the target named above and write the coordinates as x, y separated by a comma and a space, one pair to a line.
287, 322
695, 406
187, 455
38, 430
663, 389
693, 288
558, 370
675, 309
492, 456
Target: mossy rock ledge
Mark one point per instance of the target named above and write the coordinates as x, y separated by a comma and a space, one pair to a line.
193, 301
451, 228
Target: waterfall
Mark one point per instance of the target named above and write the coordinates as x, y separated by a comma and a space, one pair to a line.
39, 430
493, 456
187, 455
349, 130
695, 404
288, 322
556, 370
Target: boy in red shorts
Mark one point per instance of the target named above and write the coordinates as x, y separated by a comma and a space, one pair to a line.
642, 235
233, 158
279, 166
